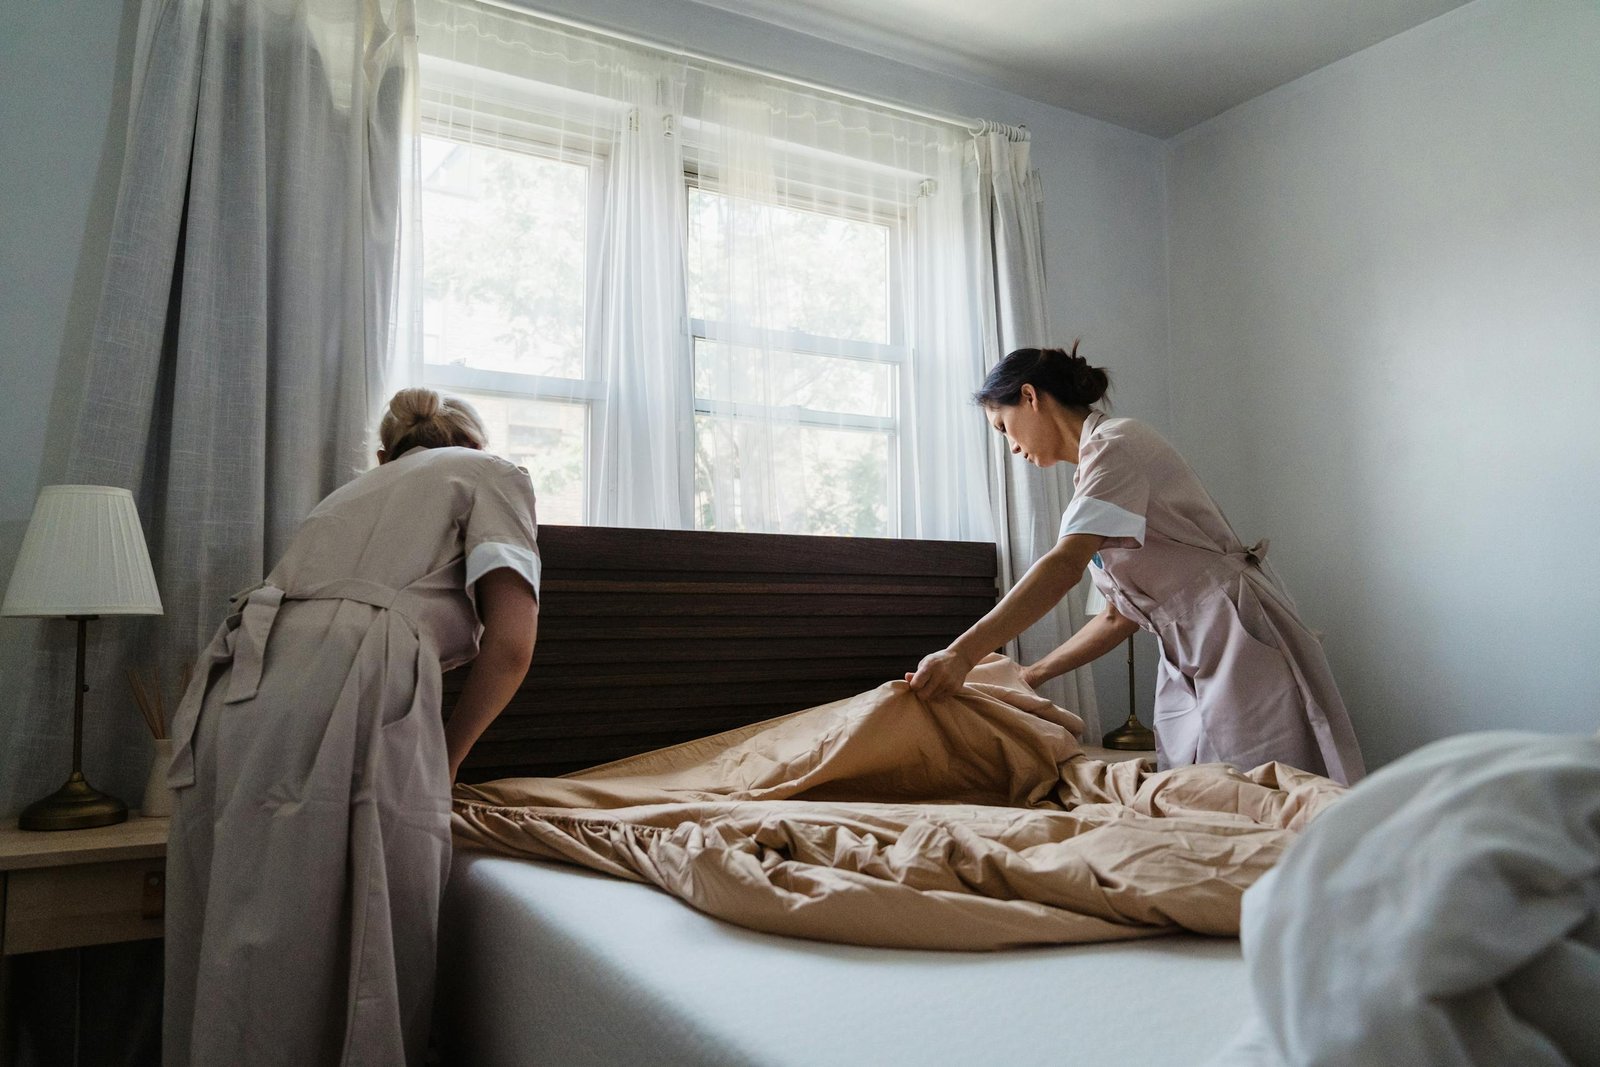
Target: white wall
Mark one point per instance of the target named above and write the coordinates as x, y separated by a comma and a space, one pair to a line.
62, 71
1385, 353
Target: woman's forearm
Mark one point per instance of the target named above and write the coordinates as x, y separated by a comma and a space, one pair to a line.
492, 681
510, 613
1094, 639
1045, 584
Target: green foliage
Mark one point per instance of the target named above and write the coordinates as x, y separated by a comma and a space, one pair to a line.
504, 240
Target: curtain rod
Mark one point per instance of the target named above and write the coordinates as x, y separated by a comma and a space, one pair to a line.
976, 127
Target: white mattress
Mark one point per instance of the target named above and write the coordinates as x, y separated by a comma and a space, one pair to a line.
547, 964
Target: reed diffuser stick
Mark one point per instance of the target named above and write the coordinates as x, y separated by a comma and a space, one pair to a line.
147, 695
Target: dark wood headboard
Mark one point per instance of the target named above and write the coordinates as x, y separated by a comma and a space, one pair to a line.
648, 638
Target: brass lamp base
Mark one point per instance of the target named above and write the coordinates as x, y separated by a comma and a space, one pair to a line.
1130, 736
75, 806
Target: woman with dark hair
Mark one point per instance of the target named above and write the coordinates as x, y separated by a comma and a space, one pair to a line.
1241, 679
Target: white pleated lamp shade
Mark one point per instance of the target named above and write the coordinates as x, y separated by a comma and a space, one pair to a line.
84, 554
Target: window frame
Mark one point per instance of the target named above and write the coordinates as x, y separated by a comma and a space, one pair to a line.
524, 133
589, 391
896, 352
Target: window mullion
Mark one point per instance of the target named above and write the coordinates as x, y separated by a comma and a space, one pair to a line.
803, 416
508, 383
735, 333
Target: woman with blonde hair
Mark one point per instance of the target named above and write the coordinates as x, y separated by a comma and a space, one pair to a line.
311, 838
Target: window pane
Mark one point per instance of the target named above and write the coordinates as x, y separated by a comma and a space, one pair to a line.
503, 241
821, 383
548, 437
765, 477
786, 269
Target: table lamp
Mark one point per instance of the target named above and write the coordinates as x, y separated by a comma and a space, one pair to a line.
83, 556
1131, 735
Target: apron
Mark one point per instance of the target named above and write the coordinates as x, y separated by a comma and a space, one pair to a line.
314, 816
1225, 689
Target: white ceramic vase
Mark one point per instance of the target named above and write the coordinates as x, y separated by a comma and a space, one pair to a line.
158, 799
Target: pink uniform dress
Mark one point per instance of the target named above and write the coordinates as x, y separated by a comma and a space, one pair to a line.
311, 838
1241, 679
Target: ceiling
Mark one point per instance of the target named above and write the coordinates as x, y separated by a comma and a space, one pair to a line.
1156, 66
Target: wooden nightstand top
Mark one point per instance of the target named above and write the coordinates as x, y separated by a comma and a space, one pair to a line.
138, 838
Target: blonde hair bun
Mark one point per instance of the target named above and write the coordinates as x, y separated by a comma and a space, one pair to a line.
411, 406
423, 418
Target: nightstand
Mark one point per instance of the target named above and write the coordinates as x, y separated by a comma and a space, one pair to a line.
72, 888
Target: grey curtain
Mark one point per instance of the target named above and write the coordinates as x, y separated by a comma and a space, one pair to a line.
240, 350
242, 338
1005, 199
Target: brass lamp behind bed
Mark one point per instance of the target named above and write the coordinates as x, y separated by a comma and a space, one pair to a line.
1131, 736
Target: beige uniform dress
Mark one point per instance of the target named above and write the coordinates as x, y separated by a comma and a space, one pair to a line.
311, 838
1241, 680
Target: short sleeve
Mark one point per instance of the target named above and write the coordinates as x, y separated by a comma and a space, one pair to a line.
1112, 491
501, 529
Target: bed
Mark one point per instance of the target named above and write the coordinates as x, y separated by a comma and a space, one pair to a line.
651, 638
546, 964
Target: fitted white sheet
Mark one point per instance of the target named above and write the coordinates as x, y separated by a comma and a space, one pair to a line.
548, 964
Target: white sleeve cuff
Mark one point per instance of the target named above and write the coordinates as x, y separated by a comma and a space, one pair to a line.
1086, 515
492, 555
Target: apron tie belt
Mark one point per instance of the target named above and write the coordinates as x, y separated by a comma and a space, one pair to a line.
260, 611
1184, 600
242, 638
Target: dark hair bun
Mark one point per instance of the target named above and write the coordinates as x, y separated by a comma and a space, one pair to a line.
1060, 372
1089, 383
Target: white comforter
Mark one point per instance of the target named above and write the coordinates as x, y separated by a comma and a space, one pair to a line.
1445, 912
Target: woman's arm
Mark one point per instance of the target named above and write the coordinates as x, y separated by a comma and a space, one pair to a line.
510, 626
1047, 581
1094, 639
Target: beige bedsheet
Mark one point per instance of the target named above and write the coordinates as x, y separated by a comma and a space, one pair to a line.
972, 822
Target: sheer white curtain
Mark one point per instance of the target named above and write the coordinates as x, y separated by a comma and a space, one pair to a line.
833, 315
1005, 215
643, 476
552, 292
244, 323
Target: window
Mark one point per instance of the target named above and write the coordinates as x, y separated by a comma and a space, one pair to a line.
794, 428
683, 295
507, 232
815, 402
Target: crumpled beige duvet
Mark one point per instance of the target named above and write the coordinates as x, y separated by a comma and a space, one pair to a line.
971, 822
